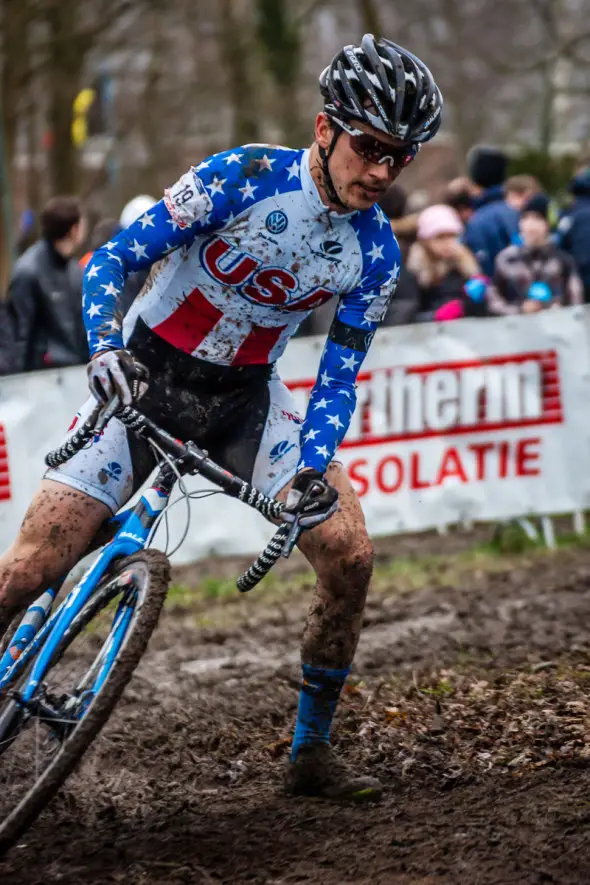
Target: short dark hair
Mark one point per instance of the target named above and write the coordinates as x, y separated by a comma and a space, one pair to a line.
59, 216
487, 166
522, 185
458, 194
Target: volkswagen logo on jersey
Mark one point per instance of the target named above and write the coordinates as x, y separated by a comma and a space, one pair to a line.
276, 222
277, 452
331, 247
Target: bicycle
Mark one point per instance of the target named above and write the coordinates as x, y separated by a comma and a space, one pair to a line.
50, 713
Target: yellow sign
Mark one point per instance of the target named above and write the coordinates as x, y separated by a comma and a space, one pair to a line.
80, 108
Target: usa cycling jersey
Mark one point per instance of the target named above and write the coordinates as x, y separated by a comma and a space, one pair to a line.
245, 249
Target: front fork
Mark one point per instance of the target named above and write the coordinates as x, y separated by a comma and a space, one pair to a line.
32, 622
139, 519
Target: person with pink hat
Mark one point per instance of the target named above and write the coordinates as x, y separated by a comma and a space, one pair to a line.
448, 280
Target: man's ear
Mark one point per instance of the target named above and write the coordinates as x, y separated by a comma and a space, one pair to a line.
323, 130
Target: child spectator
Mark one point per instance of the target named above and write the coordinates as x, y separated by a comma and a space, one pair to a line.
447, 278
519, 189
536, 274
459, 194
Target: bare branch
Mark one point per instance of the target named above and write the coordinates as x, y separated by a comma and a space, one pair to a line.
563, 51
546, 11
309, 10
91, 34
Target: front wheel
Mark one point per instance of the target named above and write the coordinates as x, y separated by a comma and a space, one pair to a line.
41, 744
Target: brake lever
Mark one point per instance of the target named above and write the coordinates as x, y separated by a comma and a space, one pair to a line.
106, 414
292, 538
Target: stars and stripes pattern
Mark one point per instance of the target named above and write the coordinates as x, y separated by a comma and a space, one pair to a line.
202, 307
331, 406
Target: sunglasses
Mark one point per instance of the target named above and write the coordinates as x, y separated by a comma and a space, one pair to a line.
372, 150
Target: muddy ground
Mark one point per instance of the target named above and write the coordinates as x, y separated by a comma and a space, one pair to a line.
469, 697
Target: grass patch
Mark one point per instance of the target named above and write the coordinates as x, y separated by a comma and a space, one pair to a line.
442, 690
509, 549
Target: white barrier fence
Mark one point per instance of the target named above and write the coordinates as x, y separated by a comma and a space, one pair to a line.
469, 420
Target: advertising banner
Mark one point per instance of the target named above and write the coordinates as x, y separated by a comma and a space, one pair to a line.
458, 421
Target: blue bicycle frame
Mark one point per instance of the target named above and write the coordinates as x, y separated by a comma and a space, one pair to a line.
40, 633
132, 529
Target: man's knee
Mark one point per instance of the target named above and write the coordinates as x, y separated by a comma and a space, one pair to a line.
23, 571
343, 557
355, 556
56, 531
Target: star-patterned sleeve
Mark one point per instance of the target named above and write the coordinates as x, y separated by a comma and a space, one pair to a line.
202, 200
333, 398
145, 241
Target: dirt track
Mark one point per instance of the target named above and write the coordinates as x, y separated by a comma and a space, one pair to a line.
469, 697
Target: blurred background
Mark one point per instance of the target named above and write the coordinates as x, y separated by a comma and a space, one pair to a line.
114, 99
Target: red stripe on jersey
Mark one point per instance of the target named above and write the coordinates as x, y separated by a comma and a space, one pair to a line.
256, 347
190, 323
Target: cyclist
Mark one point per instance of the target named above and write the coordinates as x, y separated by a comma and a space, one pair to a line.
243, 247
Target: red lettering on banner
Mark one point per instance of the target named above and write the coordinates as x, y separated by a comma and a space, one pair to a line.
524, 455
362, 483
503, 460
403, 403
451, 466
5, 490
397, 463
237, 272
415, 481
480, 451
479, 462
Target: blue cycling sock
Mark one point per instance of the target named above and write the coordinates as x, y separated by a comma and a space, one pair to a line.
319, 695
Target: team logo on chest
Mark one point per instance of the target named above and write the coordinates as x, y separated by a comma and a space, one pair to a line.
273, 286
276, 222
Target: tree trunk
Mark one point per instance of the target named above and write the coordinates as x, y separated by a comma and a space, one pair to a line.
235, 50
370, 18
547, 108
296, 133
14, 60
279, 36
65, 63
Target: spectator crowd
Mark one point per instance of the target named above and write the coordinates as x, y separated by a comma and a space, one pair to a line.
493, 246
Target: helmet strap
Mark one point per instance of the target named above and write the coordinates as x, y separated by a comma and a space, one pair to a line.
328, 183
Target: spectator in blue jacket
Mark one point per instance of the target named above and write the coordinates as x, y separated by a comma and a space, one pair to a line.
574, 227
494, 222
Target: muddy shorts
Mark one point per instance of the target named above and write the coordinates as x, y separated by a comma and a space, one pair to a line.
244, 416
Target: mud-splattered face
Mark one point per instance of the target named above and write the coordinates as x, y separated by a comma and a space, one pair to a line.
359, 182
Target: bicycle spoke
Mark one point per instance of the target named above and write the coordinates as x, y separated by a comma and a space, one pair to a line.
51, 735
24, 758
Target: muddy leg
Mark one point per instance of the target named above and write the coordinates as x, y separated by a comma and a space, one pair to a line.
341, 554
56, 531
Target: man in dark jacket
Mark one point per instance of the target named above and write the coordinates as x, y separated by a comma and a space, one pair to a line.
574, 227
6, 341
45, 292
494, 223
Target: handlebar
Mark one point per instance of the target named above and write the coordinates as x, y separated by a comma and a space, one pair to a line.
193, 460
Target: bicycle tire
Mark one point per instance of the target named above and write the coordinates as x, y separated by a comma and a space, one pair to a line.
11, 713
155, 573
